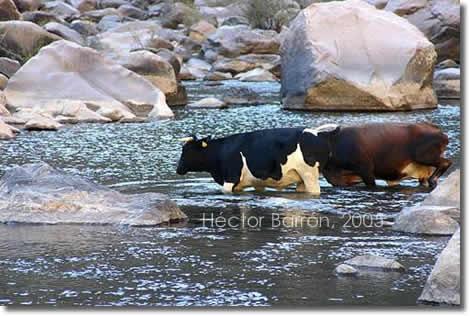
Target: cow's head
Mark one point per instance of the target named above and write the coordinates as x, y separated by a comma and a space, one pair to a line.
194, 156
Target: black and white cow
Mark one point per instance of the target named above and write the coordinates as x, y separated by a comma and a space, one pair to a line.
275, 158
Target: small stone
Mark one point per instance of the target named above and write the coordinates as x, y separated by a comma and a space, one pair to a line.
208, 103
375, 263
345, 269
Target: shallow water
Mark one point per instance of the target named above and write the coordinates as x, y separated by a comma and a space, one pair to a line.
199, 263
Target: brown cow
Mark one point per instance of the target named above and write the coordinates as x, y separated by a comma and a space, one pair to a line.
387, 151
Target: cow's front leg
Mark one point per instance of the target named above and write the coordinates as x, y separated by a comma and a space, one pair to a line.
311, 180
228, 187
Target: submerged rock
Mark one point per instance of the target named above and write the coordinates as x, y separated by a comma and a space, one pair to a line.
352, 64
443, 284
345, 269
38, 193
208, 103
375, 263
83, 82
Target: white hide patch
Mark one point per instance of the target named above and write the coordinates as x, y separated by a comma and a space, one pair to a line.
322, 128
294, 171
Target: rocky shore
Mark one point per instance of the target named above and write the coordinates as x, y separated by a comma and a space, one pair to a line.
101, 61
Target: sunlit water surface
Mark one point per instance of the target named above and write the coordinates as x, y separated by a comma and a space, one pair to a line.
203, 261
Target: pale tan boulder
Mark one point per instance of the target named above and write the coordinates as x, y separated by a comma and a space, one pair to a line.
201, 30
233, 66
64, 31
21, 40
65, 78
42, 123
8, 11
365, 59
154, 68
3, 102
208, 103
84, 5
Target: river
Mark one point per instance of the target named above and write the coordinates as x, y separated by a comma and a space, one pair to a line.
200, 263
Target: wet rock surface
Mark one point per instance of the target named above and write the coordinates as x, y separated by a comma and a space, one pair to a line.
443, 284
438, 214
38, 193
375, 263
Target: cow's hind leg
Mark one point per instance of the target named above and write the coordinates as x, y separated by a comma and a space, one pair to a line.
367, 174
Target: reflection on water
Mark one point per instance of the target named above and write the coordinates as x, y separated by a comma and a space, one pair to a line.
197, 263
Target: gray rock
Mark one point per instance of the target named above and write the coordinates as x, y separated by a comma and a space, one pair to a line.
439, 20
64, 31
61, 9
132, 12
447, 193
103, 4
448, 63
345, 269
85, 28
375, 263
8, 66
38, 193
428, 220
443, 284
233, 41
447, 74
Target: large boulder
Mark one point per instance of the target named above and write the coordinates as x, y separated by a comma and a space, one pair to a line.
443, 284
233, 41
21, 40
439, 20
365, 59
38, 193
8, 11
68, 80
438, 214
